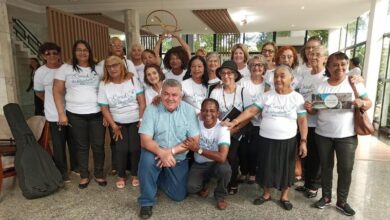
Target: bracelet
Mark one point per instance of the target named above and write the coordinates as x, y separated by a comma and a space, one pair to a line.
173, 151
140, 120
303, 140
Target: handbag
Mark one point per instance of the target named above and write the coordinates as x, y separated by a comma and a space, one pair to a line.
363, 126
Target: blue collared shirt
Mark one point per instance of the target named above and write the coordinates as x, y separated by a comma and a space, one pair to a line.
170, 128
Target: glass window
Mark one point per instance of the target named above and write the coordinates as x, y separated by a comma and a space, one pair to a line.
349, 53
343, 35
384, 58
205, 41
322, 33
166, 45
360, 52
351, 33
362, 28
255, 40
283, 34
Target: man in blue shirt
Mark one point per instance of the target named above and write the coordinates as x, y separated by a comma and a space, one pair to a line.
163, 131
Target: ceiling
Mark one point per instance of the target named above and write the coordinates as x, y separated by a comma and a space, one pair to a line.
261, 15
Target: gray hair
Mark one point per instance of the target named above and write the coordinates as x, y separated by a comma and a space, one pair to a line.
261, 58
171, 83
323, 49
288, 68
213, 54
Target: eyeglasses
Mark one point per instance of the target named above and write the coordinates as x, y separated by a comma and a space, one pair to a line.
78, 50
309, 48
116, 45
53, 53
267, 51
257, 65
113, 66
226, 73
286, 57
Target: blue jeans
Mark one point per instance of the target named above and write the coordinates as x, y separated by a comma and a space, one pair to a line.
171, 180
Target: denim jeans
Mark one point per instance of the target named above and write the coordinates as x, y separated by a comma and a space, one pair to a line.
201, 173
88, 130
345, 152
171, 180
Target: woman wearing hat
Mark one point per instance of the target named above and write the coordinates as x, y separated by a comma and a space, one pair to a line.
282, 110
229, 95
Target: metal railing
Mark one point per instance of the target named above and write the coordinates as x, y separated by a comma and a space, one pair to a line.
23, 34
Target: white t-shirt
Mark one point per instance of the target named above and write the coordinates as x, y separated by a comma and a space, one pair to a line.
121, 99
214, 81
307, 87
225, 100
43, 82
128, 64
269, 79
355, 71
140, 72
252, 93
170, 75
245, 72
194, 93
302, 68
279, 114
81, 88
150, 93
211, 139
337, 123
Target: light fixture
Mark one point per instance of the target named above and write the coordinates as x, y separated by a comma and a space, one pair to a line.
302, 7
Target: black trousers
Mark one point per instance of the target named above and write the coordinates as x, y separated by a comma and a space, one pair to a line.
233, 161
128, 149
345, 152
60, 136
88, 130
311, 163
248, 152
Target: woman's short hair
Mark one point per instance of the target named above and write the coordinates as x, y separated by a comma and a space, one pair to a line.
159, 71
205, 76
243, 47
179, 52
261, 58
288, 68
148, 51
334, 56
295, 55
211, 100
302, 53
273, 44
49, 46
213, 54
123, 74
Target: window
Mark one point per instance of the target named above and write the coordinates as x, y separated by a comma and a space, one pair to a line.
322, 33
343, 35
362, 28
205, 41
351, 33
255, 41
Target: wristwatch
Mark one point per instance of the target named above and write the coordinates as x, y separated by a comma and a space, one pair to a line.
200, 151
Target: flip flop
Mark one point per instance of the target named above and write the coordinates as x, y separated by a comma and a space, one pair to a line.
120, 183
134, 181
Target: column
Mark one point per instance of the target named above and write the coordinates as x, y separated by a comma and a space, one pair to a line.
374, 42
7, 74
132, 28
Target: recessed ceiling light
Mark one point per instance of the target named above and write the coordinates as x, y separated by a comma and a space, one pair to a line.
205, 28
302, 7
292, 25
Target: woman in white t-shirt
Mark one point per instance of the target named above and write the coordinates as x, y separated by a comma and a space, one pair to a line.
122, 101
335, 131
229, 96
43, 86
308, 85
213, 62
79, 83
195, 83
269, 50
153, 78
240, 55
282, 110
136, 57
253, 89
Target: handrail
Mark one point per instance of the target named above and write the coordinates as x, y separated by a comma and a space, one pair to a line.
23, 34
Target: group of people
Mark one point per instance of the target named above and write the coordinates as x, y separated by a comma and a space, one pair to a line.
177, 122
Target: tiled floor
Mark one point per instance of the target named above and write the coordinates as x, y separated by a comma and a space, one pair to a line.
369, 196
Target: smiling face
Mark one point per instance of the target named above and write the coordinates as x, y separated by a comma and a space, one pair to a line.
227, 76
149, 58
116, 47
287, 58
114, 69
197, 69
209, 114
136, 52
152, 75
257, 68
282, 78
170, 97
269, 52
238, 56
337, 68
317, 58
52, 57
82, 53
309, 47
175, 62
213, 63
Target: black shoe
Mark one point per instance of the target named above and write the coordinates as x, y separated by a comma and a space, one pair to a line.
146, 212
261, 200
320, 204
232, 190
301, 189
310, 194
101, 182
65, 178
287, 205
83, 185
345, 209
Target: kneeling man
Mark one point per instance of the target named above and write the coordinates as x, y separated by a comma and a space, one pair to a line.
163, 162
210, 155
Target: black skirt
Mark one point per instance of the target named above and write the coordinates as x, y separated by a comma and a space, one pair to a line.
276, 163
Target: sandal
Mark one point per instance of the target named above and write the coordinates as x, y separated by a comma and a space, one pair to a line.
232, 190
242, 179
287, 205
251, 180
121, 183
261, 200
311, 193
134, 181
301, 189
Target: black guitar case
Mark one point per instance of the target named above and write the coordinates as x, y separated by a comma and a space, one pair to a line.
36, 172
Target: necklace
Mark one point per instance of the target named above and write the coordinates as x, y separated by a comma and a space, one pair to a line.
234, 97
